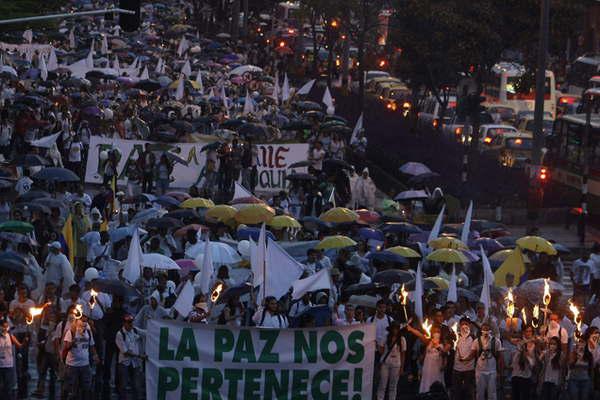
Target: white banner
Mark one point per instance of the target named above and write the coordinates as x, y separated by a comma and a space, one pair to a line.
273, 161
197, 361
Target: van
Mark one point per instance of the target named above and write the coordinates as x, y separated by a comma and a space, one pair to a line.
429, 116
513, 149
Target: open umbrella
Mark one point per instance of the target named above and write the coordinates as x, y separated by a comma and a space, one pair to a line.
446, 242
370, 233
31, 207
537, 245
12, 262
221, 212
221, 253
365, 288
283, 221
448, 256
301, 177
16, 226
235, 291
533, 290
254, 233
197, 202
300, 164
464, 293
163, 223
339, 215
254, 214
30, 160
181, 196
401, 227
159, 261
167, 201
193, 227
116, 287
183, 214
404, 251
186, 266
54, 174
33, 194
335, 242
145, 215
14, 237
391, 276
414, 168
387, 256
368, 216
242, 69
489, 245
408, 195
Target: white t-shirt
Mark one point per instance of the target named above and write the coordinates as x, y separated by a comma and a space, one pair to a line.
269, 320
6, 352
486, 361
463, 349
79, 355
381, 325
556, 331
393, 356
75, 152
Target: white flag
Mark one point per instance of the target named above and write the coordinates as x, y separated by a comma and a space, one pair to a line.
159, 64
46, 141
357, 128
207, 267
28, 35
72, 38
488, 280
145, 74
464, 236
185, 300
418, 295
52, 61
199, 81
281, 270
248, 104
134, 259
43, 68
258, 261
116, 65
319, 281
332, 196
437, 226
89, 61
328, 101
104, 48
224, 98
275, 95
240, 192
183, 46
179, 93
452, 287
285, 90
92, 47
306, 88
186, 69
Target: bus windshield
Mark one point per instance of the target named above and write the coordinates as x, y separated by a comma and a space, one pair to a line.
523, 88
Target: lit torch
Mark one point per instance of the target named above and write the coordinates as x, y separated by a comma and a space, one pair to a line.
535, 321
524, 315
510, 307
547, 298
35, 312
93, 296
455, 330
576, 318
214, 296
404, 294
78, 312
426, 325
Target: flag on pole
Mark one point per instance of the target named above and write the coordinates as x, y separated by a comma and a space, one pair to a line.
275, 95
332, 196
248, 104
116, 65
328, 101
185, 300
28, 35
89, 61
43, 68
52, 61
199, 81
319, 281
357, 128
488, 280
224, 98
186, 69
104, 47
285, 91
179, 92
418, 294
437, 226
464, 236
306, 88
133, 268
183, 46
258, 263
72, 38
145, 74
207, 267
159, 65
452, 287
67, 233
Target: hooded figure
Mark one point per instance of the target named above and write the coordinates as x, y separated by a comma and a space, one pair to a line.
365, 190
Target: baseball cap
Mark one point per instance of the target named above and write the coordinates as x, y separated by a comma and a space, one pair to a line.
55, 245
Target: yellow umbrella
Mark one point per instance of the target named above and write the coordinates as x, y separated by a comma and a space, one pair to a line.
197, 202
194, 84
254, 214
221, 212
335, 242
284, 221
446, 242
404, 252
536, 244
513, 264
339, 215
504, 254
440, 282
448, 256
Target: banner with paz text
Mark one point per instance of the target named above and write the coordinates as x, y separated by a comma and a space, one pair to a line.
222, 362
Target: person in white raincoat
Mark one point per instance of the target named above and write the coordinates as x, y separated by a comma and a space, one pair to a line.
365, 190
58, 269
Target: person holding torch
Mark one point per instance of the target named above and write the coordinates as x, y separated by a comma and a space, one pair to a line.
7, 360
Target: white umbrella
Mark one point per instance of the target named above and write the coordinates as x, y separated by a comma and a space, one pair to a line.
221, 253
8, 69
414, 168
411, 195
158, 261
242, 69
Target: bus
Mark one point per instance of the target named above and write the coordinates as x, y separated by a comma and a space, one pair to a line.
511, 86
286, 13
581, 71
565, 153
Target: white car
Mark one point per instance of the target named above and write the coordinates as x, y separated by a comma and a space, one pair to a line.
488, 132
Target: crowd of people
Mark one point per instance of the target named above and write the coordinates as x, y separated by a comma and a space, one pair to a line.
71, 302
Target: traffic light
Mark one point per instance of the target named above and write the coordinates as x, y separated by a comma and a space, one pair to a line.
130, 22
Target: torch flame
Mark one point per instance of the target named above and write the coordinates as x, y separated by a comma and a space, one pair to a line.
426, 325
214, 296
536, 316
547, 296
510, 306
78, 311
455, 330
576, 315
35, 312
404, 294
524, 315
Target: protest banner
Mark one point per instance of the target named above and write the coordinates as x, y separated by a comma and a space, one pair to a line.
273, 161
223, 362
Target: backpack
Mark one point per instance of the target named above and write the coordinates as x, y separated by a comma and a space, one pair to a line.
492, 347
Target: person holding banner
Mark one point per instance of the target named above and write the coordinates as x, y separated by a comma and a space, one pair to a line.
268, 315
392, 362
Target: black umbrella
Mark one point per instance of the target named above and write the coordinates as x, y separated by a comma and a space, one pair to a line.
336, 118
336, 163
318, 115
147, 85
116, 287
15, 237
56, 175
33, 194
401, 227
34, 207
364, 288
187, 213
308, 106
235, 291
427, 285
300, 164
232, 123
467, 294
12, 262
390, 276
301, 177
423, 177
50, 202
252, 129
296, 125
30, 160
164, 222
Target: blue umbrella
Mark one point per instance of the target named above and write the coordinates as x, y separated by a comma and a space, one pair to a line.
123, 232
489, 245
167, 201
387, 256
254, 233
370, 233
401, 227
